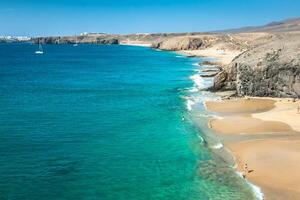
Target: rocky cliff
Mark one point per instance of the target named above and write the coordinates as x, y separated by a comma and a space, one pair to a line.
180, 43
271, 68
93, 39
264, 62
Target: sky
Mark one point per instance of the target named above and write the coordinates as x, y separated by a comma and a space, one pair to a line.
70, 17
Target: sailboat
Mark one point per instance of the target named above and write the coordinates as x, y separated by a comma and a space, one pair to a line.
40, 51
76, 42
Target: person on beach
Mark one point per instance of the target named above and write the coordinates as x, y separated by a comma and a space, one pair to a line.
245, 170
298, 109
246, 167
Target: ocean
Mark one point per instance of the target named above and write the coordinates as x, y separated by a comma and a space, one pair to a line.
107, 122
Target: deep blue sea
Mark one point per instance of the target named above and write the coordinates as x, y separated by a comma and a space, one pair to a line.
104, 122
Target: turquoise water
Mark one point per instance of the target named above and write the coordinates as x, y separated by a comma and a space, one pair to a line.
103, 122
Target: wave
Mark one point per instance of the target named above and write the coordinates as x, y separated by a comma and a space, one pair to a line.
217, 146
201, 138
193, 89
255, 189
198, 80
196, 64
189, 104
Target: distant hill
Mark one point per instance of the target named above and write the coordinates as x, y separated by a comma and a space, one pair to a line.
280, 26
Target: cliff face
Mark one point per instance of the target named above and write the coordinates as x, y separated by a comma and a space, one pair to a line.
201, 41
271, 69
180, 43
93, 39
268, 63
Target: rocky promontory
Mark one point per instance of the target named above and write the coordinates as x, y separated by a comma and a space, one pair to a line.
269, 69
252, 64
86, 39
256, 61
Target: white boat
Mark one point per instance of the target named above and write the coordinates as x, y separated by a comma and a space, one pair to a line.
40, 51
76, 42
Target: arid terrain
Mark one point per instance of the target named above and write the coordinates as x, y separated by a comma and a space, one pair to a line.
262, 134
255, 61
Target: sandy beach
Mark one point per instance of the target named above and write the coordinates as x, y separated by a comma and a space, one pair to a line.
135, 43
263, 135
223, 56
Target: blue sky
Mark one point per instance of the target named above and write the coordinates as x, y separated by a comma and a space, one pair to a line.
69, 17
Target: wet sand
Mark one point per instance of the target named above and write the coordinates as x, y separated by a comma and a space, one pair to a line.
275, 164
273, 160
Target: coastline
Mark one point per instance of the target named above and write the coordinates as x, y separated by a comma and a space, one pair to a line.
222, 56
265, 125
215, 145
218, 149
251, 130
135, 43
263, 138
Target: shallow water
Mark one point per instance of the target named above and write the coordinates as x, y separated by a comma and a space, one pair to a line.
105, 122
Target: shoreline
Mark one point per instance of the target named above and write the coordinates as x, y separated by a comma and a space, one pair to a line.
135, 43
219, 148
255, 114
255, 145
224, 56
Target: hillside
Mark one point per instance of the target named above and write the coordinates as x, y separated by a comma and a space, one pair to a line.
280, 26
255, 61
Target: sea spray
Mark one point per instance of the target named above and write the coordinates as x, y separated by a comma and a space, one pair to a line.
256, 190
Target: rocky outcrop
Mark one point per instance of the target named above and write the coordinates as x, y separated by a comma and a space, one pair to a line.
272, 69
94, 39
107, 41
268, 66
180, 43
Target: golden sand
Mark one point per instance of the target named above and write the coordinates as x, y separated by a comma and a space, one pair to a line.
224, 56
247, 125
244, 105
273, 165
273, 162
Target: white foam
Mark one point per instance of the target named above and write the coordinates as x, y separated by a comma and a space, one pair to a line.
203, 115
179, 56
256, 190
217, 117
201, 138
198, 80
218, 146
189, 104
193, 89
196, 64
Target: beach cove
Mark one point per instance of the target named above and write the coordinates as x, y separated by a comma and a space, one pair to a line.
261, 133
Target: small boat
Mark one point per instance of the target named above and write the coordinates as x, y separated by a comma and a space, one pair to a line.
40, 51
76, 42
